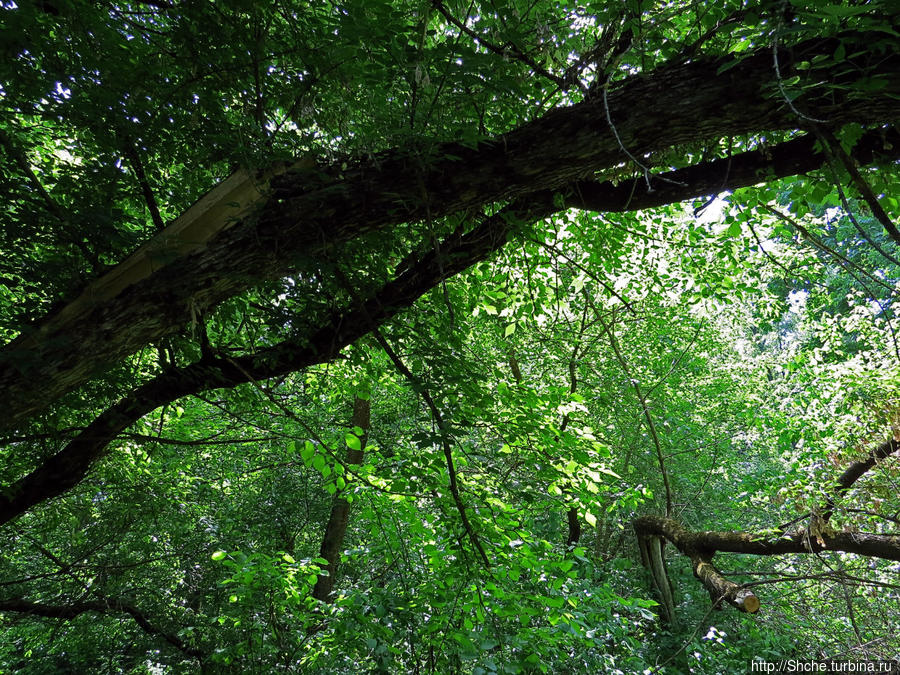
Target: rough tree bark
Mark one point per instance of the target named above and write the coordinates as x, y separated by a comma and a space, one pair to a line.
309, 211
324, 341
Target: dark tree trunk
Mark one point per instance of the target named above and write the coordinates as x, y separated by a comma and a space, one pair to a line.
574, 535
306, 211
324, 341
336, 529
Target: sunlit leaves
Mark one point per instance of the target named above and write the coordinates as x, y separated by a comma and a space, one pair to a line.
765, 364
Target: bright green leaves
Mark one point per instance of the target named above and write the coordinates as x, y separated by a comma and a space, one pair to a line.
327, 464
353, 441
762, 364
279, 579
319, 463
308, 452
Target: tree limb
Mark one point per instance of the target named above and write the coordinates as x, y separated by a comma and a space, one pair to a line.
863, 187
62, 471
700, 547
307, 212
105, 606
856, 471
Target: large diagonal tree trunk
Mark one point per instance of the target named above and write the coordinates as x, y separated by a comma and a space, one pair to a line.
302, 213
324, 341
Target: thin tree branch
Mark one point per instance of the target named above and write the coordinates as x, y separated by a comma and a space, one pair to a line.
445, 442
845, 202
846, 264
134, 159
863, 187
815, 241
102, 606
646, 410
609, 289
505, 50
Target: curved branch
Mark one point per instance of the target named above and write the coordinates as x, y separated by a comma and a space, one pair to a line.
458, 252
69, 466
700, 547
310, 211
857, 470
105, 606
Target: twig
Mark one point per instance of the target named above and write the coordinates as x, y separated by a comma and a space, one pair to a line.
505, 51
445, 441
677, 360
864, 189
634, 159
694, 48
347, 467
775, 261
845, 262
52, 207
778, 78
643, 401
846, 203
609, 289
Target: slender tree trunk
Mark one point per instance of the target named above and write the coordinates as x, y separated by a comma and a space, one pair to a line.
336, 528
574, 535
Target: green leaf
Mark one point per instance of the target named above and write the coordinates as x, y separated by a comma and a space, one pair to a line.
844, 10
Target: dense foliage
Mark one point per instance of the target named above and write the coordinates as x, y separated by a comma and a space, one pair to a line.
542, 313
